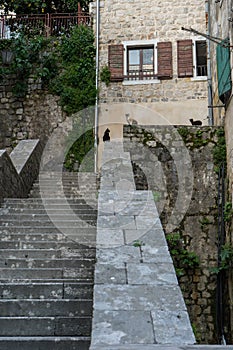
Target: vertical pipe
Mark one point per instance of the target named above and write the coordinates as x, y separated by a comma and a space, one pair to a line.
97, 84
209, 70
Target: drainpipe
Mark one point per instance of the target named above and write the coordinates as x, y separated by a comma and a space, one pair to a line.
209, 70
97, 84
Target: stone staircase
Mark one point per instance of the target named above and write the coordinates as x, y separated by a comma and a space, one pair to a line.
47, 256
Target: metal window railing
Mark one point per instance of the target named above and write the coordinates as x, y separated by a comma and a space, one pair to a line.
201, 70
137, 75
44, 24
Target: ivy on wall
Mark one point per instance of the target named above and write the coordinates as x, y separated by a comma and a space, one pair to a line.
65, 66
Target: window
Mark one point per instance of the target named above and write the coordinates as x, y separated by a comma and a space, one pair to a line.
191, 58
140, 61
201, 58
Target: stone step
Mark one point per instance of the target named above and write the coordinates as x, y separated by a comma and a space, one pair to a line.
47, 253
61, 194
46, 290
5, 236
80, 231
64, 187
40, 244
45, 326
11, 274
45, 307
44, 343
25, 202
25, 217
81, 264
49, 211
78, 223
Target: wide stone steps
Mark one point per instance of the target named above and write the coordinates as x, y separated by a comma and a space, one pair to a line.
42, 343
45, 326
47, 290
83, 253
50, 263
45, 307
47, 257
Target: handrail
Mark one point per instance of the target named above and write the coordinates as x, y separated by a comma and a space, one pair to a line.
46, 24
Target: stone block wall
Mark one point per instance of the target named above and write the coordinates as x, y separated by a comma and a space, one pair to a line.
19, 170
180, 172
122, 21
34, 116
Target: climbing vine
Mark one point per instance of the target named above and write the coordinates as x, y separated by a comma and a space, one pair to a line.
65, 66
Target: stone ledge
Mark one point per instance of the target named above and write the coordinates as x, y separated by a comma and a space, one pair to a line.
19, 170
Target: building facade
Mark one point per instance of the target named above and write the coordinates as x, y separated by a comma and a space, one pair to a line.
221, 28
158, 71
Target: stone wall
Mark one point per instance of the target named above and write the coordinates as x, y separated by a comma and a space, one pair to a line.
19, 170
34, 116
180, 172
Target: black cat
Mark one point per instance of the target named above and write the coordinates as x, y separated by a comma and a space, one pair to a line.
195, 122
106, 136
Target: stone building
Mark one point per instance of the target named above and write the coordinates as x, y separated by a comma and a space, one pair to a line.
158, 71
221, 48
221, 27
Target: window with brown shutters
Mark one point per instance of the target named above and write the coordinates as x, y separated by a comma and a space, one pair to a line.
185, 58
164, 50
115, 62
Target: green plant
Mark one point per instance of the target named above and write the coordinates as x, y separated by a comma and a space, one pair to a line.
26, 56
183, 131
156, 196
76, 82
219, 150
197, 333
65, 66
138, 243
204, 222
228, 211
183, 259
105, 75
80, 152
225, 259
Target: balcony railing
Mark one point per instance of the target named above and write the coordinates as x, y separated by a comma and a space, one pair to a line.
141, 75
54, 24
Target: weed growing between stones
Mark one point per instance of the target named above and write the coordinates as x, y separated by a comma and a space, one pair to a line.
183, 259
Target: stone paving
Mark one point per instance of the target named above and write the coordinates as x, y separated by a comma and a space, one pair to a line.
137, 300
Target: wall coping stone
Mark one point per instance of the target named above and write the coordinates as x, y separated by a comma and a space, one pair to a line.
19, 170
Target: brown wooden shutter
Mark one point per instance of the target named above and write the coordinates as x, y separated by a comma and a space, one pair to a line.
115, 62
164, 51
185, 58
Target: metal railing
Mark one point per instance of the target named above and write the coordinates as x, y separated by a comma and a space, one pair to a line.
201, 70
44, 24
143, 75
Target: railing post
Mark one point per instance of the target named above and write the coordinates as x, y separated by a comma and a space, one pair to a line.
48, 25
79, 13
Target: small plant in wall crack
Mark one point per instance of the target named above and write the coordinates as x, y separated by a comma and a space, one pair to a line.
105, 75
182, 258
225, 259
228, 212
138, 244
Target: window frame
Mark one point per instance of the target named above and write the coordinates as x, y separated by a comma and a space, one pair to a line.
140, 44
195, 76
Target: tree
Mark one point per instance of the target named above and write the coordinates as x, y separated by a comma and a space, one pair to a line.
42, 6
